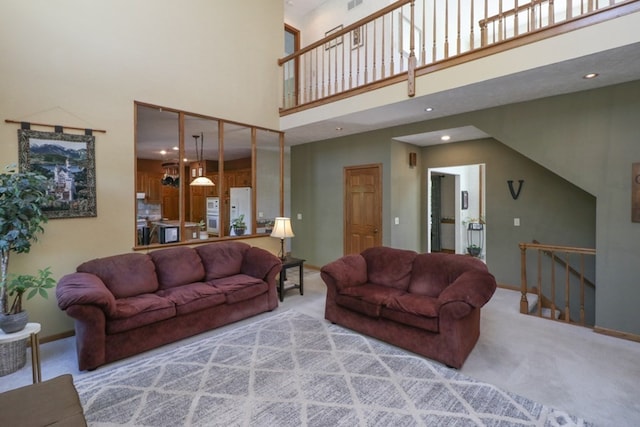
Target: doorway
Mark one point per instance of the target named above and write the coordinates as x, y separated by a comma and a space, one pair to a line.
362, 208
456, 196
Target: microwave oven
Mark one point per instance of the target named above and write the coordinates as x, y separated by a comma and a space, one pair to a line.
169, 234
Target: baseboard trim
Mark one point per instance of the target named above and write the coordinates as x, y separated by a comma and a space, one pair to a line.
57, 337
616, 334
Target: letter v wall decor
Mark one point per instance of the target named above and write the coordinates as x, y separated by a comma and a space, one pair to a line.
515, 193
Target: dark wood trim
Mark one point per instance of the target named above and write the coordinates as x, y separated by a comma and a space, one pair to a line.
616, 334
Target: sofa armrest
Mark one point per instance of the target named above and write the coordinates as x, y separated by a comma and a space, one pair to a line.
350, 270
261, 264
474, 287
84, 289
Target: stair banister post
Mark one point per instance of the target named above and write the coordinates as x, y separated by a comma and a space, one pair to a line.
524, 304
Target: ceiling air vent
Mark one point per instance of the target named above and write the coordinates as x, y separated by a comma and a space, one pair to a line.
353, 3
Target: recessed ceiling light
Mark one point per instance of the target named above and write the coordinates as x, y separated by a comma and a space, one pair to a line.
338, 128
445, 137
163, 152
428, 109
175, 148
590, 76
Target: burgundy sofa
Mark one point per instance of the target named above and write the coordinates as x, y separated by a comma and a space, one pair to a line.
426, 303
129, 303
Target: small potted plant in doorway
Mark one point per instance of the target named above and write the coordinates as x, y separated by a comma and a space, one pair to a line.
238, 225
203, 230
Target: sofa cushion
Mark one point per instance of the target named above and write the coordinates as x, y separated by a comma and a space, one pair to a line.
420, 305
125, 275
432, 273
140, 310
177, 267
222, 259
366, 299
193, 297
431, 324
389, 266
240, 287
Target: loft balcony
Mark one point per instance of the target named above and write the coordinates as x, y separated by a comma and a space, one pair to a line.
395, 58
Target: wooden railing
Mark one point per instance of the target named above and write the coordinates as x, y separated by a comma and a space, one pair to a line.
407, 37
557, 280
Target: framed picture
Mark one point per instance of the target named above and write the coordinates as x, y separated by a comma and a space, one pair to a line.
68, 161
333, 42
357, 38
465, 200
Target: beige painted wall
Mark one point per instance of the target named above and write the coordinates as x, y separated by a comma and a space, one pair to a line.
79, 63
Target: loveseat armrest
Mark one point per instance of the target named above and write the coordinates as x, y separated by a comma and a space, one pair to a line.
260, 263
349, 270
84, 289
474, 287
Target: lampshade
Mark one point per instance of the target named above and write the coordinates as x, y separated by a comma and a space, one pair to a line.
282, 228
202, 181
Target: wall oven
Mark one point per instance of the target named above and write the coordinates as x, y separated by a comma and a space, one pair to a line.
213, 216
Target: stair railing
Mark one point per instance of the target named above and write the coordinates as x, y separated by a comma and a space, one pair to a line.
410, 38
562, 256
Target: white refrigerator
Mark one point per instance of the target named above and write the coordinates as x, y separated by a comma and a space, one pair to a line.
240, 204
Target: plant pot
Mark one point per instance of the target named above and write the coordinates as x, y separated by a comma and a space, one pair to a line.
474, 251
204, 235
11, 323
239, 231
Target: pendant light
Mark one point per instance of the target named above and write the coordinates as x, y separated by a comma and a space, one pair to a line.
201, 181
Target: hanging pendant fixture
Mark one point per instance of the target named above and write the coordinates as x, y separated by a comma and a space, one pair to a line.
201, 181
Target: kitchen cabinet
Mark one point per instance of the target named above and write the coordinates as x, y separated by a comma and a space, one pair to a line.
149, 184
170, 202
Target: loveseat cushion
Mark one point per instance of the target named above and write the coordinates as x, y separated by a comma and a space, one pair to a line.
222, 259
193, 297
240, 287
140, 310
389, 266
367, 299
432, 273
430, 324
177, 267
125, 275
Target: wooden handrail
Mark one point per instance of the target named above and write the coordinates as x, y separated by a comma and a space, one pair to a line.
396, 44
551, 251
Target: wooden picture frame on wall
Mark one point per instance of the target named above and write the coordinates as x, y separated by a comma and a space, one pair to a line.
68, 162
357, 38
635, 192
333, 42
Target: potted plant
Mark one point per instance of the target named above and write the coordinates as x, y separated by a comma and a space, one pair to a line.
203, 230
22, 196
474, 250
238, 225
16, 318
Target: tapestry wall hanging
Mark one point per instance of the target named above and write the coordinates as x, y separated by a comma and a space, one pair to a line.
68, 161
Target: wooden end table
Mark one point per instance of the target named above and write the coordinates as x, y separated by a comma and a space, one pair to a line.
290, 262
30, 331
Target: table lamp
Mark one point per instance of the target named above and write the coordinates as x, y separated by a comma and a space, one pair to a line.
282, 230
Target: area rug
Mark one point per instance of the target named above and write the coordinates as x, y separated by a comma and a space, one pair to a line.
294, 370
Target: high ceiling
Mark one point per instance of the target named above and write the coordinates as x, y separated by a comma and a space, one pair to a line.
613, 66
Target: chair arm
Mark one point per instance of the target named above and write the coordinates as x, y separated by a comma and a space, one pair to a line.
474, 287
84, 289
350, 270
260, 263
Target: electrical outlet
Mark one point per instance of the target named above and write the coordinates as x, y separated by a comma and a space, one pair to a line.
299, 216
396, 221
516, 222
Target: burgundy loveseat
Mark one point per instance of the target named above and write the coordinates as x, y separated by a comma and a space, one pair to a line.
426, 303
129, 303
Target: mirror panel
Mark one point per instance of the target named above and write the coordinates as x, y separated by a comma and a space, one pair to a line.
238, 199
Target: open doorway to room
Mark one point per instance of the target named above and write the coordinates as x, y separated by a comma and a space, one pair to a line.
456, 220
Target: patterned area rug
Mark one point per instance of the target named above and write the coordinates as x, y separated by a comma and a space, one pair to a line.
294, 370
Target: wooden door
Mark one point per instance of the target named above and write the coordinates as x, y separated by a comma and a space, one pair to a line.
362, 208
